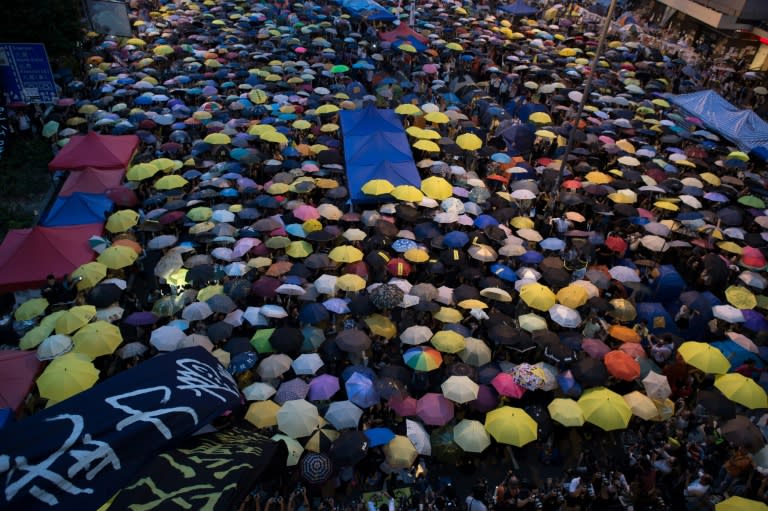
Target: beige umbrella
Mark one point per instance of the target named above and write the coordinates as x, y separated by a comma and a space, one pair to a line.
400, 453
641, 405
460, 389
656, 386
471, 436
298, 418
263, 414
476, 352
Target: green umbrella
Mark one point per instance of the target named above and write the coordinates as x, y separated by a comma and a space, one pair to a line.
339, 68
752, 201
50, 129
260, 340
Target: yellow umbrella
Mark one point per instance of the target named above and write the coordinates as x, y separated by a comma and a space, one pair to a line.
263, 414
740, 504
135, 41
427, 134
742, 390
75, 318
118, 256
741, 297
122, 220
660, 102
408, 193
350, 282
408, 109
598, 178
623, 309
669, 206
566, 411
704, 357
328, 108
540, 118
260, 129
278, 188
97, 339
162, 50
417, 255
274, 136
88, 109
546, 134
572, 296
436, 188
400, 452
641, 405
209, 291
165, 164
50, 320
217, 139
448, 315
66, 376
258, 96
522, 222
472, 303
200, 214
437, 118
427, 145
141, 171
455, 46
346, 254
31, 309
301, 124
34, 337
377, 187
299, 249
738, 155
448, 341
469, 142
408, 48
171, 182
513, 426
731, 247
537, 296
605, 408
381, 325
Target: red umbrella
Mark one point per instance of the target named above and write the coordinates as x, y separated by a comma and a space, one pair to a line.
359, 268
616, 244
434, 409
506, 386
398, 267
622, 365
18, 370
171, 217
405, 406
633, 349
122, 196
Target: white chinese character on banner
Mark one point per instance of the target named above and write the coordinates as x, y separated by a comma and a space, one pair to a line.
200, 377
149, 416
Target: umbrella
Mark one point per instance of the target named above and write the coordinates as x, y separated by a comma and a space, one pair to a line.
323, 387
471, 436
621, 365
30, 309
416, 334
274, 366
75, 318
737, 503
315, 468
566, 411
379, 436
54, 346
349, 449
97, 339
537, 296
509, 425
742, 390
460, 389
400, 453
423, 358
604, 408
290, 390
298, 418
476, 352
743, 432
307, 363
66, 376
564, 316
294, 449
656, 386
419, 437
505, 385
434, 409
704, 357
641, 405
361, 391
263, 414
343, 415
448, 341
259, 391
167, 338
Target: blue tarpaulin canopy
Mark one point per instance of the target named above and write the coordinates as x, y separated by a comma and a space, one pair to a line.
78, 209
742, 127
376, 147
519, 8
367, 9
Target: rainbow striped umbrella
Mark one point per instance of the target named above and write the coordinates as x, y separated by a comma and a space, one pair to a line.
423, 358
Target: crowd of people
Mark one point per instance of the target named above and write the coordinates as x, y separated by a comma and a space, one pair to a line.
539, 280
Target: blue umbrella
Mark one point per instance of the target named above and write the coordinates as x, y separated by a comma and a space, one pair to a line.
455, 239
501, 158
312, 313
360, 390
504, 272
736, 354
379, 436
365, 371
552, 244
242, 362
531, 257
483, 221
403, 245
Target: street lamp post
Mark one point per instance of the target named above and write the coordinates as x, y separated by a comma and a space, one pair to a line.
584, 98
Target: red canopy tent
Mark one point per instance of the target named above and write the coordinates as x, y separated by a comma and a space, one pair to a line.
27, 256
91, 180
402, 31
96, 151
18, 370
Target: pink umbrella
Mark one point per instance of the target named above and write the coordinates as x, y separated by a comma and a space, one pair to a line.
18, 370
506, 386
404, 406
306, 212
434, 409
595, 348
300, 50
633, 349
323, 387
429, 68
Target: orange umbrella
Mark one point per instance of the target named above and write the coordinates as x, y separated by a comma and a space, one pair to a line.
129, 243
623, 333
621, 365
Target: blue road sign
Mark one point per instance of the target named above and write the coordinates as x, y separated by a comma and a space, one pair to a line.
25, 73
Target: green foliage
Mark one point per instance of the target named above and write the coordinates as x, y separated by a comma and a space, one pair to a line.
24, 182
55, 23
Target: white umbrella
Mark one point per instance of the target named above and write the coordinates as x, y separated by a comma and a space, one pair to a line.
111, 314
234, 318
196, 340
326, 284
654, 243
344, 414
274, 366
471, 436
459, 389
728, 313
273, 311
54, 346
416, 334
418, 437
167, 338
564, 316
307, 363
253, 316
259, 391
656, 386
624, 274
290, 290
475, 353
298, 418
236, 269
196, 311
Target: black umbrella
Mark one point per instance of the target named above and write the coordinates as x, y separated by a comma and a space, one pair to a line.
716, 403
487, 373
465, 292
201, 274
742, 432
219, 331
388, 387
265, 287
590, 372
361, 305
104, 295
237, 289
396, 372
221, 304
461, 369
286, 339
387, 296
350, 448
353, 340
315, 468
238, 345
318, 261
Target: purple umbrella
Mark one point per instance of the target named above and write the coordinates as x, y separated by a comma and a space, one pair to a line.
291, 390
323, 387
265, 287
141, 318
434, 409
487, 399
361, 391
754, 321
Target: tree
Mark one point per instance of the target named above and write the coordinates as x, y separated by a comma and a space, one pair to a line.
57, 24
